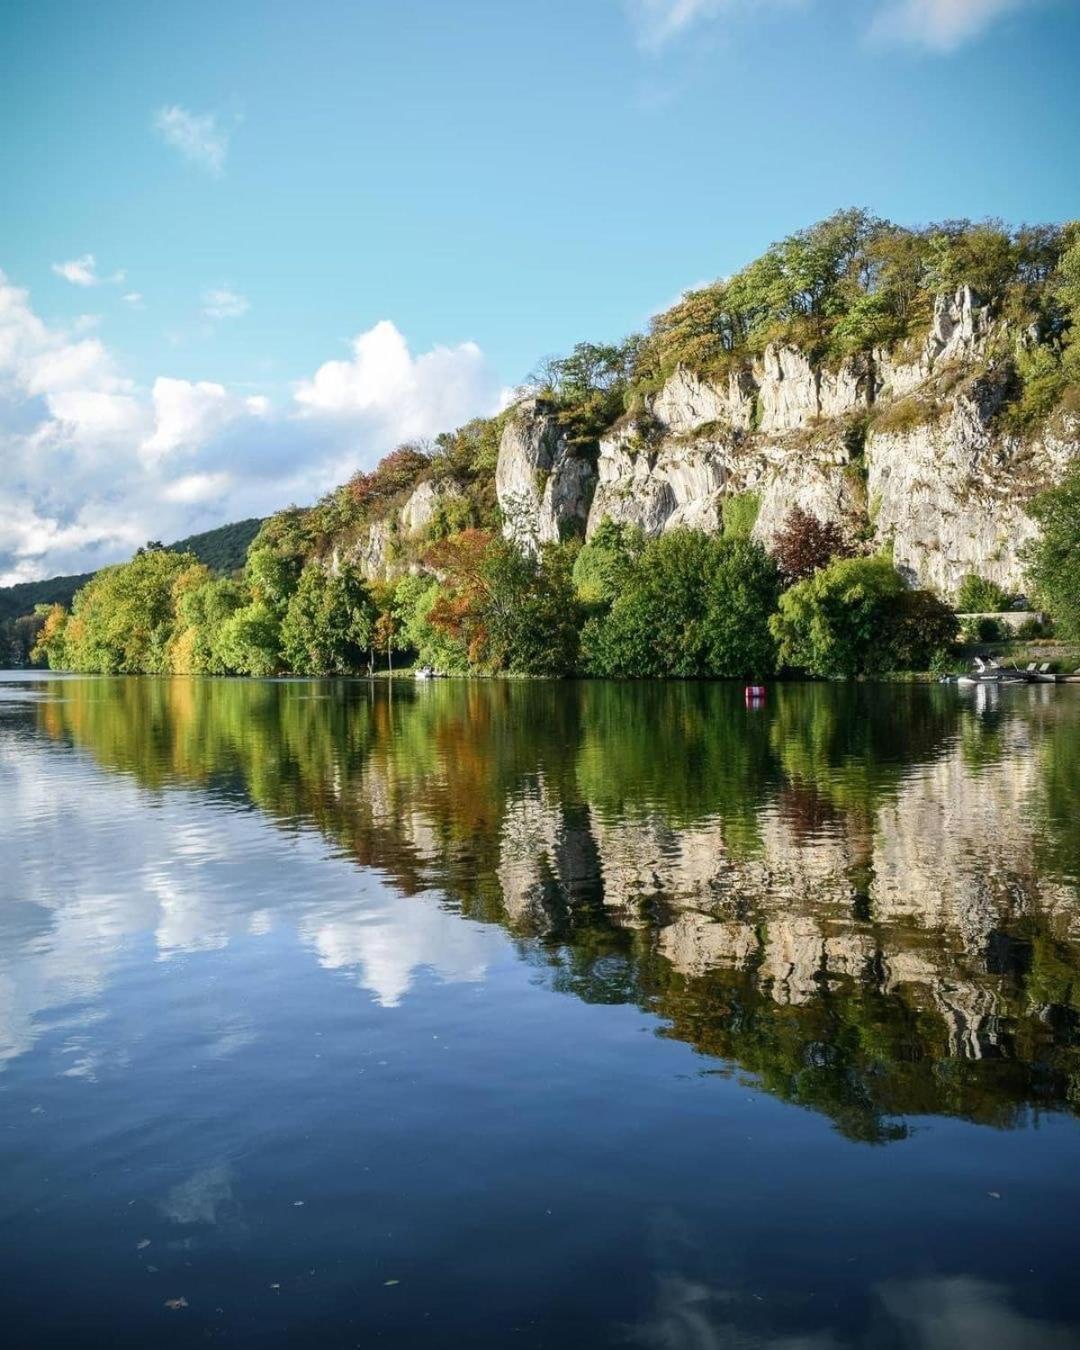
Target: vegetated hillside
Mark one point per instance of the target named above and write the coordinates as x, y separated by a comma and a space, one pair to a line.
801, 468
222, 550
917, 387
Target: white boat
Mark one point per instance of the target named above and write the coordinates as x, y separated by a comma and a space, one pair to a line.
423, 673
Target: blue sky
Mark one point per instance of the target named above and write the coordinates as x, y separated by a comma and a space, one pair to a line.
260, 185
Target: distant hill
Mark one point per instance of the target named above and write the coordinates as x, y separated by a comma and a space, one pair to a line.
222, 550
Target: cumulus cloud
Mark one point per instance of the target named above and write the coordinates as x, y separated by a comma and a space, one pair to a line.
83, 272
384, 384
224, 303
95, 465
935, 25
197, 136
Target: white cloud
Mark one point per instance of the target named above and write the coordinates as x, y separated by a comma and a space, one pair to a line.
224, 303
83, 272
197, 136
187, 415
197, 487
134, 299
94, 465
79, 271
939, 25
936, 25
384, 384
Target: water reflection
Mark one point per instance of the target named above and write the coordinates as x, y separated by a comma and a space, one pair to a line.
866, 898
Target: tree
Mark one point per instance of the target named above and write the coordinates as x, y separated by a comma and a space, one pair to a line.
832, 623
249, 642
977, 595
603, 563
1053, 561
395, 474
743, 590
689, 605
414, 599
806, 544
51, 645
123, 619
329, 621
918, 627
204, 604
509, 612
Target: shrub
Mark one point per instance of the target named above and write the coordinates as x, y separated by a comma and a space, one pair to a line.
977, 595
739, 514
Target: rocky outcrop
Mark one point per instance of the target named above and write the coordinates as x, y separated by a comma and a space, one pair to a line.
424, 502
949, 493
904, 449
544, 486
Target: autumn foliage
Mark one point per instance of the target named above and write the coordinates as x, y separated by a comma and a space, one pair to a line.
396, 473
806, 544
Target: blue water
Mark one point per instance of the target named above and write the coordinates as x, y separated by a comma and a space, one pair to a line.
545, 1016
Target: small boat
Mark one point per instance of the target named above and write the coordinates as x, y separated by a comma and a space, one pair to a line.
423, 673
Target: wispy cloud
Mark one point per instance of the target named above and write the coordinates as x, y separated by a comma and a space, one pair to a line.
134, 299
660, 22
934, 25
939, 25
197, 136
83, 272
222, 302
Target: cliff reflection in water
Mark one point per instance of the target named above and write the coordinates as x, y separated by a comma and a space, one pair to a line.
865, 897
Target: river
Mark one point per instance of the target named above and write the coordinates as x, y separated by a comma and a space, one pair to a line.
498, 1014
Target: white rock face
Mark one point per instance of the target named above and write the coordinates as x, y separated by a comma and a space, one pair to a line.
371, 553
687, 402
419, 511
958, 333
544, 488
948, 495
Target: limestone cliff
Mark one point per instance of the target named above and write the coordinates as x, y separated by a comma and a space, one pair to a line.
905, 448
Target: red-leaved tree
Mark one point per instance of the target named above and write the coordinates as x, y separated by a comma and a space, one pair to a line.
806, 544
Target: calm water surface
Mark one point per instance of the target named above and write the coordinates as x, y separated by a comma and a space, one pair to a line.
499, 1015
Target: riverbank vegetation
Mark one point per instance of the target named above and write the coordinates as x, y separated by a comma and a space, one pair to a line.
685, 604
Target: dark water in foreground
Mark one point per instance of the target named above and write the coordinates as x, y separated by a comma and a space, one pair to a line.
538, 1015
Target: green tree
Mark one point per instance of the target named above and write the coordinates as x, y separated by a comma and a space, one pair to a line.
689, 605
602, 564
1053, 561
743, 590
531, 611
123, 620
329, 622
832, 623
249, 641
